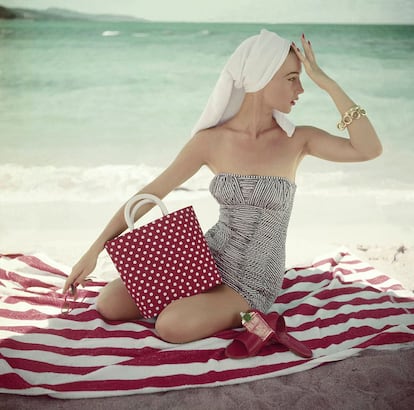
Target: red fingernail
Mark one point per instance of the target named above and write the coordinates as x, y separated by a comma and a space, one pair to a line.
309, 42
303, 35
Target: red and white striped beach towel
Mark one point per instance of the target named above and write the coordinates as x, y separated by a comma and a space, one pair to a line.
338, 306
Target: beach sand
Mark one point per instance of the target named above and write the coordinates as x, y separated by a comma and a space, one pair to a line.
373, 380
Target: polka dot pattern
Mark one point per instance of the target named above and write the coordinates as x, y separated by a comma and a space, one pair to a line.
165, 260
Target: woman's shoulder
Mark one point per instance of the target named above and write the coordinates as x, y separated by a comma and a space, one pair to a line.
210, 132
209, 136
202, 143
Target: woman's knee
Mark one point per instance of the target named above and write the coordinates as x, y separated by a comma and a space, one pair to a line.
115, 303
172, 327
104, 309
104, 303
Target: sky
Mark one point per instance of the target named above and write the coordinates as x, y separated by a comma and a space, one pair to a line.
269, 11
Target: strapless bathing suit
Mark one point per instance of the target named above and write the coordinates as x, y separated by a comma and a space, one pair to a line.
248, 241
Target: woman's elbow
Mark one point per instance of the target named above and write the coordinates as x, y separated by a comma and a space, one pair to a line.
377, 151
373, 152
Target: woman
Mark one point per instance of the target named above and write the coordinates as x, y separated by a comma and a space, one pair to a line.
254, 151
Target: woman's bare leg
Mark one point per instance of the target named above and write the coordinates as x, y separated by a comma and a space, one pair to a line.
115, 303
184, 320
200, 316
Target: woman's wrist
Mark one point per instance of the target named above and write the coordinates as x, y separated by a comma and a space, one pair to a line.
342, 101
96, 248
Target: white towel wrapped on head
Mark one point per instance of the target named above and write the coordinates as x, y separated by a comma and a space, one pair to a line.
249, 69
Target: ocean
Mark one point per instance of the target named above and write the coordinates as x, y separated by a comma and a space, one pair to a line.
92, 111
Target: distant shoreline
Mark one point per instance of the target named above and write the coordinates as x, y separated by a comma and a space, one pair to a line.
60, 14
53, 14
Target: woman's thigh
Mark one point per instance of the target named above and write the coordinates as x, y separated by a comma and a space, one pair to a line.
115, 303
202, 315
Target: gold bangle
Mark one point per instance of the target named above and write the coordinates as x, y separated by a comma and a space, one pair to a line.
354, 113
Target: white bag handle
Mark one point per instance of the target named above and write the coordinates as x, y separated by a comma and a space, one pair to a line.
139, 200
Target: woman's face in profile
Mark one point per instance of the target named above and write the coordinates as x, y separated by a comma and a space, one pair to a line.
283, 90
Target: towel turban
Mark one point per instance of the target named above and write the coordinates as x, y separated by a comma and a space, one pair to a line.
249, 69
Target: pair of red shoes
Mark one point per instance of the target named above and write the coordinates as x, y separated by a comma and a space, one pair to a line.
260, 330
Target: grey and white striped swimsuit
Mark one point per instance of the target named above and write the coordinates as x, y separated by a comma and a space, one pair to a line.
248, 241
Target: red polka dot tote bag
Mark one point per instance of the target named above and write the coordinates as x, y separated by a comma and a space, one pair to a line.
165, 260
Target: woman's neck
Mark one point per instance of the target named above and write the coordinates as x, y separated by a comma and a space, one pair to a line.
254, 117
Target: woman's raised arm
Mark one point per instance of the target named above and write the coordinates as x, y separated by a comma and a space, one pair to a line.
363, 143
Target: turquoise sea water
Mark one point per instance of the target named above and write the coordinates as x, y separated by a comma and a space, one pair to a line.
92, 109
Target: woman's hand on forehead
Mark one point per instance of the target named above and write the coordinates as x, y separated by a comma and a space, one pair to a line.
307, 58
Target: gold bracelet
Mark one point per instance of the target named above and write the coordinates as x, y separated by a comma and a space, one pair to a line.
354, 113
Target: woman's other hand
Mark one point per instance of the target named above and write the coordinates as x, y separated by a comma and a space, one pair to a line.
81, 270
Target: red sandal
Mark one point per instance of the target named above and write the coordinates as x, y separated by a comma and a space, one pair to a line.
260, 330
